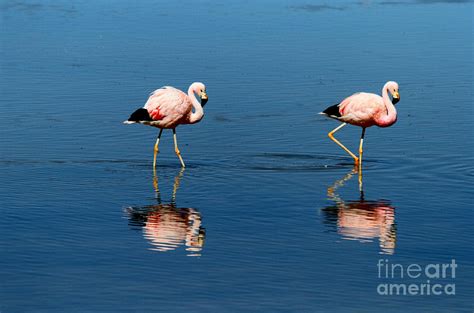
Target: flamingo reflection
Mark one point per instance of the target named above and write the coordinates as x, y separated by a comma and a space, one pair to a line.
362, 219
167, 226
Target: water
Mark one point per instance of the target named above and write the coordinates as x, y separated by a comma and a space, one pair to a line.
267, 217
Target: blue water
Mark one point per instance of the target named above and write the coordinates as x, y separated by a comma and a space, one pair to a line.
268, 215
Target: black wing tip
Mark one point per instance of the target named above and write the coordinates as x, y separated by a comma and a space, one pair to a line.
140, 115
333, 111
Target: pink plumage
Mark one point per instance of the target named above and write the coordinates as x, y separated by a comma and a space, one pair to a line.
168, 107
365, 110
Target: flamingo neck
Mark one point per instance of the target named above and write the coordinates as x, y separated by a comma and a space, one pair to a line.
198, 113
388, 116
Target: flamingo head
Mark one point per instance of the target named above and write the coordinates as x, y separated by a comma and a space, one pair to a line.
200, 90
392, 87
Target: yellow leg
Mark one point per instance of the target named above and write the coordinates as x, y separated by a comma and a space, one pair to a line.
176, 148
155, 150
330, 135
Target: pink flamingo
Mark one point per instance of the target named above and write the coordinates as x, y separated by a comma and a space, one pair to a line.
169, 107
365, 110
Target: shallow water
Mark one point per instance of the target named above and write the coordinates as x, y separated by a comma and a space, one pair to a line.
268, 216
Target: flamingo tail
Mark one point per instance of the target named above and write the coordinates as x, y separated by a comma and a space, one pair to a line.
332, 111
140, 115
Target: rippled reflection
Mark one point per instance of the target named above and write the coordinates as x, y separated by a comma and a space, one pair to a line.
167, 226
362, 220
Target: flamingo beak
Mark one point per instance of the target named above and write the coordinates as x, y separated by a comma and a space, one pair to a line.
203, 98
396, 97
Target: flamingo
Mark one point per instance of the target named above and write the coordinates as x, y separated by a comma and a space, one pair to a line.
365, 110
168, 107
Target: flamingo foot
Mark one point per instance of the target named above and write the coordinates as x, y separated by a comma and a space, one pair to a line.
356, 162
178, 153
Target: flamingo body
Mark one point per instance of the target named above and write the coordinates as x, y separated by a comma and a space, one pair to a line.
365, 110
168, 107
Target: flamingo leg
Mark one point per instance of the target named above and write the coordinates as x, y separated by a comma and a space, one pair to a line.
176, 148
360, 159
330, 135
361, 144
155, 150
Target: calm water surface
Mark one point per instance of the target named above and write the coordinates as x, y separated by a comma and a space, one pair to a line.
267, 217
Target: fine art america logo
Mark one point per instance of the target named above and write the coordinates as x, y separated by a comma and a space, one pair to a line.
415, 279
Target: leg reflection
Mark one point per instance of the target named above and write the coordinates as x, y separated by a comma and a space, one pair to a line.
362, 220
167, 226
